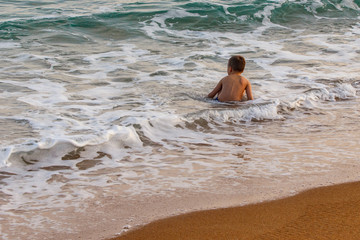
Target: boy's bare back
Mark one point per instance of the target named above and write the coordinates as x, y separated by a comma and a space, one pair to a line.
233, 86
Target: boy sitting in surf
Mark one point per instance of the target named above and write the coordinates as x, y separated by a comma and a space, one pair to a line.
233, 86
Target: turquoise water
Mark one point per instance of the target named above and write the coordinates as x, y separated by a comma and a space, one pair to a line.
94, 90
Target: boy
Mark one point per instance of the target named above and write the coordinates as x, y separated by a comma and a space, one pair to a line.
233, 86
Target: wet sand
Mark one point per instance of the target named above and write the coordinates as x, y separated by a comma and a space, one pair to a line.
322, 213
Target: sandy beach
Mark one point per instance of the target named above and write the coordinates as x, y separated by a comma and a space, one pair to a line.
321, 213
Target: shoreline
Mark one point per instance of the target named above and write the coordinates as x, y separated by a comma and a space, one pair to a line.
321, 213
114, 214
111, 212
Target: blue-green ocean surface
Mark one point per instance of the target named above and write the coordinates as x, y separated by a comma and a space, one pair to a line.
102, 94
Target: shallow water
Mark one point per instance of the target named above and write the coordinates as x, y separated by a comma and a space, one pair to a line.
102, 94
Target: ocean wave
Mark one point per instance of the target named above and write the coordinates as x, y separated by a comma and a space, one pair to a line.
140, 131
310, 98
275, 109
193, 16
245, 16
74, 24
255, 111
53, 150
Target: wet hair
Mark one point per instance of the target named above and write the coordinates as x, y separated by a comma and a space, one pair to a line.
237, 63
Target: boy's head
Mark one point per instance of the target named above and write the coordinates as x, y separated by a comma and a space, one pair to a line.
237, 63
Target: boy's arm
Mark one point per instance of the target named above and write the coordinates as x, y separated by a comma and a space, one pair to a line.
249, 92
216, 90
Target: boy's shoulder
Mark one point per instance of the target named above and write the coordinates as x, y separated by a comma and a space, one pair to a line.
235, 77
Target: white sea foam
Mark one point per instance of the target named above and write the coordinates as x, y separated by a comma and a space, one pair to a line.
4, 156
174, 13
58, 147
157, 24
349, 4
343, 91
314, 6
9, 44
254, 111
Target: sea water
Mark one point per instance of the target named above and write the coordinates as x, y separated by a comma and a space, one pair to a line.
113, 93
